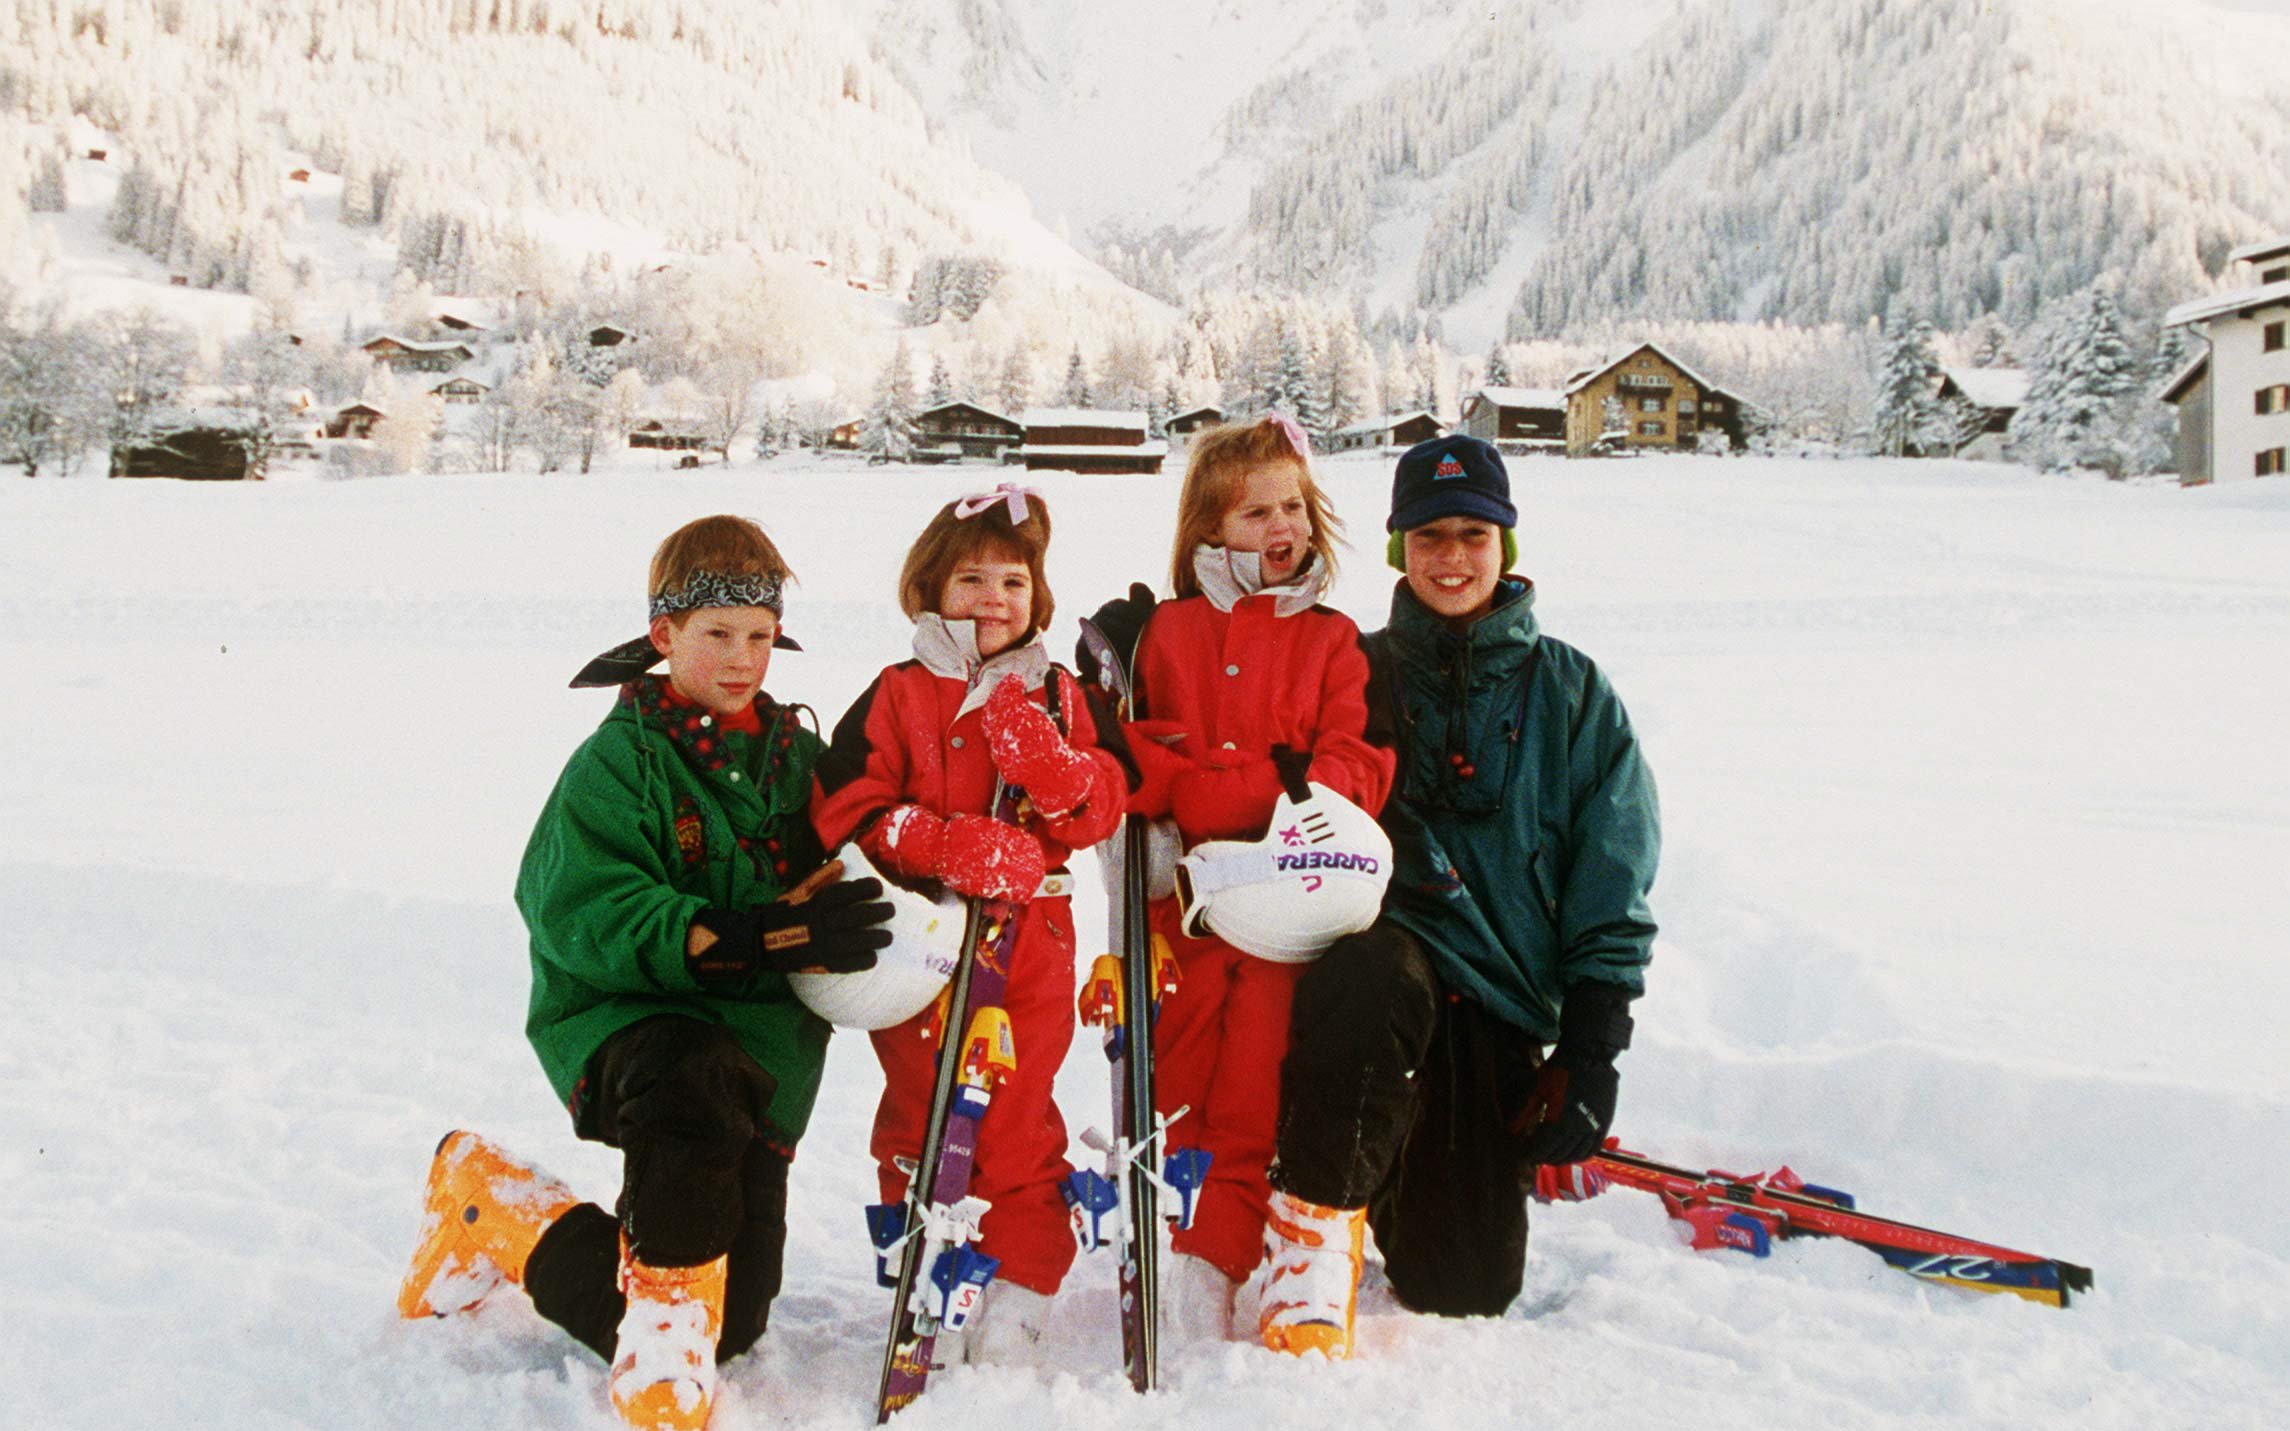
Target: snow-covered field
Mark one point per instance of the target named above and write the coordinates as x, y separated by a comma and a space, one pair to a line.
1976, 903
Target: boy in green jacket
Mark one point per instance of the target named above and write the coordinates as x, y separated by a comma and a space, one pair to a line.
670, 886
1469, 1036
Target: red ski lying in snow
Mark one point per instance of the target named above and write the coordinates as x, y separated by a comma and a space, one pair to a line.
1749, 1212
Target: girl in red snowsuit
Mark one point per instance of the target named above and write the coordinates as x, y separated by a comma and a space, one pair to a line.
1244, 668
910, 775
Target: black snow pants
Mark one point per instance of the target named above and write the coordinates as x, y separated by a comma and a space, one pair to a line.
1399, 1096
685, 1105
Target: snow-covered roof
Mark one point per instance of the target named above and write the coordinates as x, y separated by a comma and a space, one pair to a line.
1083, 417
973, 406
2172, 390
1205, 409
2261, 250
1524, 397
1382, 424
1588, 376
1152, 448
420, 345
2220, 304
1992, 388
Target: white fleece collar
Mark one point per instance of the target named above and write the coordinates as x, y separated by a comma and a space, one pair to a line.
1227, 577
950, 649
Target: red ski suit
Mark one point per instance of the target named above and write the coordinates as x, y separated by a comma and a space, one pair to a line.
903, 744
1220, 689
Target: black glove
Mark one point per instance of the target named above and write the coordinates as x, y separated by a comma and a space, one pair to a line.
835, 930
1572, 1104
1122, 620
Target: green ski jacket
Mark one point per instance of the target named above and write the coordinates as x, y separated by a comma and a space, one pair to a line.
1524, 825
657, 816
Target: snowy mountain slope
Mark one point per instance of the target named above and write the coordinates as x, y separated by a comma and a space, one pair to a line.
1545, 163
1975, 815
497, 130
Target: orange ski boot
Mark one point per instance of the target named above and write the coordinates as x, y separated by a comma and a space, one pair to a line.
482, 1214
1312, 1276
664, 1372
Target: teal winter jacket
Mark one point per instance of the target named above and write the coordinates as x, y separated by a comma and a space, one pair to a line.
1524, 825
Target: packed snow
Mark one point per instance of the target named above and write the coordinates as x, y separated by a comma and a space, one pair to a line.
1977, 812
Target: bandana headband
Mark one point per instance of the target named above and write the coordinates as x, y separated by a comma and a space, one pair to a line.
630, 659
717, 588
1008, 495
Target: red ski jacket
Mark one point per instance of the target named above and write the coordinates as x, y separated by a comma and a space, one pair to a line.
902, 744
1220, 689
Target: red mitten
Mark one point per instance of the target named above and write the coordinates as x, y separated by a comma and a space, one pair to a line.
990, 859
1230, 802
908, 841
1031, 752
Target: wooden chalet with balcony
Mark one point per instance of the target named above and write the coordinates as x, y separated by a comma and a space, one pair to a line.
953, 431
1663, 405
1994, 395
1073, 439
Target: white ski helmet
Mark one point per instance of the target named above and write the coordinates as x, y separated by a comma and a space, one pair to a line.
926, 943
1318, 874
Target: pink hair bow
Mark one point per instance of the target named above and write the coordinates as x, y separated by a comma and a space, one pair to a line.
1009, 494
1291, 429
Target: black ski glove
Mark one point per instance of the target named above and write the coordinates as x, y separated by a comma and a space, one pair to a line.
1123, 621
818, 926
1572, 1104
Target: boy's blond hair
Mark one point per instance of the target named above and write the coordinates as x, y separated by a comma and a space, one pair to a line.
1219, 461
725, 545
950, 540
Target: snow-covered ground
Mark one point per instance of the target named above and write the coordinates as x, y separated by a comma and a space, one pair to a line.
1977, 795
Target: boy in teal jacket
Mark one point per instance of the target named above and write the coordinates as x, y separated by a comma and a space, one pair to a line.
670, 885
1469, 1036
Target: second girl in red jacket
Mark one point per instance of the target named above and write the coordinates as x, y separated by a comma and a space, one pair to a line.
1243, 669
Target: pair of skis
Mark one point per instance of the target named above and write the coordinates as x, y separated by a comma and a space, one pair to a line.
924, 1244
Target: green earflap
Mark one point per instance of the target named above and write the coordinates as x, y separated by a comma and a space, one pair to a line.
1395, 550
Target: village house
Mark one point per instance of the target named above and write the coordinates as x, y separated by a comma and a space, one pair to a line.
844, 435
655, 435
1655, 402
1516, 420
462, 390
1397, 429
952, 431
1995, 394
604, 335
2234, 396
1185, 424
416, 356
355, 421
1073, 439
207, 445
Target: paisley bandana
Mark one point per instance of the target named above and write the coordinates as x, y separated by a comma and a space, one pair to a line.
717, 588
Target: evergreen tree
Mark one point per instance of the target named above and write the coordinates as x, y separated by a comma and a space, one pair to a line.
1498, 366
1076, 392
2077, 411
1014, 384
1909, 421
941, 389
1990, 343
889, 429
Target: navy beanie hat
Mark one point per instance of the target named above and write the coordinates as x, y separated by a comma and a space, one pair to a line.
1452, 476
